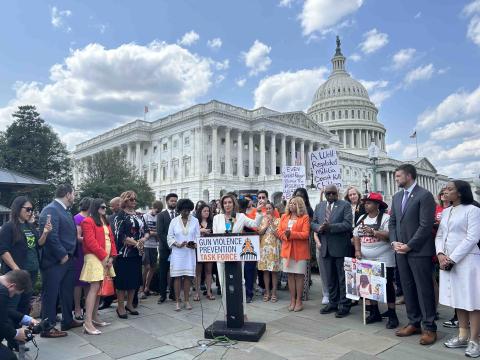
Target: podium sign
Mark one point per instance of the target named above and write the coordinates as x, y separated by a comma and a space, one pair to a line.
229, 247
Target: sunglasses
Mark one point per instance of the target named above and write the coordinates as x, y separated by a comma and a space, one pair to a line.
27, 209
330, 193
103, 207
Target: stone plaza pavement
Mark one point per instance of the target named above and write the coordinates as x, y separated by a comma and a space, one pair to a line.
159, 330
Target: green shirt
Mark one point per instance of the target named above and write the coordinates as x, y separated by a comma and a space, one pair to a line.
32, 258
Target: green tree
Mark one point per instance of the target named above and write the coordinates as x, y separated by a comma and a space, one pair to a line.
108, 174
30, 146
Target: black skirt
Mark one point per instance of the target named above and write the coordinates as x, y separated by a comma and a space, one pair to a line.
128, 271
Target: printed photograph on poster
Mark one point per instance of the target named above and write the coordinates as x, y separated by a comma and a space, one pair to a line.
364, 278
293, 177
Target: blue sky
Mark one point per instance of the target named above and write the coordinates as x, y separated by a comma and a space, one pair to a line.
93, 65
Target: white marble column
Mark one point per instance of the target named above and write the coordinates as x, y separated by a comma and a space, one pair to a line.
273, 156
284, 152
389, 188
262, 153
292, 152
129, 153
352, 139
302, 152
228, 158
344, 139
379, 182
138, 156
251, 168
169, 160
214, 149
368, 138
239, 154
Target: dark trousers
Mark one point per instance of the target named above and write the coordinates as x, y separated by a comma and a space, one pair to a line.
416, 277
249, 268
58, 279
398, 284
21, 303
6, 353
163, 268
336, 282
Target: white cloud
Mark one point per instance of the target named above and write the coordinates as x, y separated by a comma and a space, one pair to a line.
418, 15
222, 65
241, 82
219, 79
355, 57
402, 58
458, 106
374, 41
96, 88
472, 8
289, 91
379, 96
58, 18
397, 145
256, 58
473, 31
377, 90
285, 3
321, 15
215, 43
420, 73
373, 85
457, 130
448, 135
189, 38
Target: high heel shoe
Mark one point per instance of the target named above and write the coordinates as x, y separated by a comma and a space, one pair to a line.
124, 316
100, 323
131, 312
88, 332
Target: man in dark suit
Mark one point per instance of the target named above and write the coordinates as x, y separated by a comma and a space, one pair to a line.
410, 227
57, 261
163, 222
332, 221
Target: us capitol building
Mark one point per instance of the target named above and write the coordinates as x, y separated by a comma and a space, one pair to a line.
209, 149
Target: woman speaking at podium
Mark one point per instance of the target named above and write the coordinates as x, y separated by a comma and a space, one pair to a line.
231, 221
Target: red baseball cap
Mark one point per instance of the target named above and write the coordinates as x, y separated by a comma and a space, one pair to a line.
378, 198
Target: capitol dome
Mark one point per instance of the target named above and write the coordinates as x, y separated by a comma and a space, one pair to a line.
342, 105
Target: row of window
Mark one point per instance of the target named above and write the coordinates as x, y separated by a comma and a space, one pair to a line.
344, 114
186, 142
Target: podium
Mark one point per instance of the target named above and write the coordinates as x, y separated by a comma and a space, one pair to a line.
245, 248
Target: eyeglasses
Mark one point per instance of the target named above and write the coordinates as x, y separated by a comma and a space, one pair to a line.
103, 207
330, 193
27, 209
261, 197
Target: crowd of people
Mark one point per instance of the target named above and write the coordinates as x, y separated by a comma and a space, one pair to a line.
154, 253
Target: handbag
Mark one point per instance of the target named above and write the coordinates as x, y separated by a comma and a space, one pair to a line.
106, 288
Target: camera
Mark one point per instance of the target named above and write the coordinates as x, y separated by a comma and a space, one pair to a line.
28, 335
42, 326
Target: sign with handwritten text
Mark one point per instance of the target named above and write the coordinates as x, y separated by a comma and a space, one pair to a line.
326, 169
293, 178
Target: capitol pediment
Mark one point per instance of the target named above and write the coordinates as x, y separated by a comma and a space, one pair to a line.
299, 119
425, 164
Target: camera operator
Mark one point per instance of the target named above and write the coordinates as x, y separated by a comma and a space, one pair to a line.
13, 283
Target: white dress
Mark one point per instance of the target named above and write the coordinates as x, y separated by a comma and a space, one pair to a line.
457, 237
182, 260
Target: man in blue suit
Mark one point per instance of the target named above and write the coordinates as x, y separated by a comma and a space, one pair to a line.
57, 261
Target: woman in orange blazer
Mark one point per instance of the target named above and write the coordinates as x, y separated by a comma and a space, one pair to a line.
294, 231
99, 250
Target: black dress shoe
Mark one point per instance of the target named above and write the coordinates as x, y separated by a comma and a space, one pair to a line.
72, 325
171, 296
342, 313
124, 316
328, 309
131, 312
249, 300
161, 299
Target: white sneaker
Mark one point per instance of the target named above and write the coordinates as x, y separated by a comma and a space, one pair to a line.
325, 300
473, 349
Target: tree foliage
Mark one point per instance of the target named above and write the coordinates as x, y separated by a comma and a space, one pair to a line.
30, 146
107, 174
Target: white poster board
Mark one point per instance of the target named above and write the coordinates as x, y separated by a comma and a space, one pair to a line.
293, 178
366, 279
326, 169
228, 248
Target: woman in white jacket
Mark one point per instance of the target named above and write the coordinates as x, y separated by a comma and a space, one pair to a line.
231, 221
458, 252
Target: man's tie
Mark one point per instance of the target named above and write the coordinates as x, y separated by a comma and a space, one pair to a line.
404, 200
328, 212
172, 214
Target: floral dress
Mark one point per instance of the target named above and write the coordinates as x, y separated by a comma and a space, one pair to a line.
270, 247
